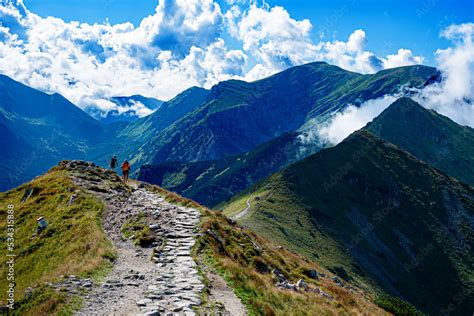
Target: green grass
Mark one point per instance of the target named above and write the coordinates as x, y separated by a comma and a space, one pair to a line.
397, 306
137, 227
73, 243
429, 136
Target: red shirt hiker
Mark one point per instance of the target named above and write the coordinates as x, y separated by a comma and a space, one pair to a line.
125, 170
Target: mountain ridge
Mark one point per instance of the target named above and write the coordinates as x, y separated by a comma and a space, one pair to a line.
259, 111
367, 210
429, 136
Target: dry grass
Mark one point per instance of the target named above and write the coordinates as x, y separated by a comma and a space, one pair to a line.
245, 260
74, 242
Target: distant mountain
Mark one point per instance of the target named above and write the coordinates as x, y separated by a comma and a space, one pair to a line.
128, 140
237, 116
168, 113
375, 214
429, 136
214, 182
38, 130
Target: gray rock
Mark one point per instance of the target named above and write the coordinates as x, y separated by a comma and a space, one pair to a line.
144, 302
301, 284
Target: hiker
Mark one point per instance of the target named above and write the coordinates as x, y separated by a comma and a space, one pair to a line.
113, 163
125, 170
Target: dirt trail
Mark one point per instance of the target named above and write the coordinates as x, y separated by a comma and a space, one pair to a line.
243, 212
163, 280
221, 293
143, 281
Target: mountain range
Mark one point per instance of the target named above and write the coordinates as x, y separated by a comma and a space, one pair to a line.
237, 116
424, 133
230, 119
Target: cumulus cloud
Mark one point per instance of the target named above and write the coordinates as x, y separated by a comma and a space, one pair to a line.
277, 41
177, 47
454, 95
180, 45
402, 58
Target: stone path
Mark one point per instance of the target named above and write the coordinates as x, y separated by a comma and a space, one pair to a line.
149, 281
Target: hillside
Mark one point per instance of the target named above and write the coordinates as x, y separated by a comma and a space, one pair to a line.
38, 130
214, 182
237, 116
429, 136
425, 134
102, 234
376, 215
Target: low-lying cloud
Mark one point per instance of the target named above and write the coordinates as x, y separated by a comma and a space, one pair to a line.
453, 96
353, 118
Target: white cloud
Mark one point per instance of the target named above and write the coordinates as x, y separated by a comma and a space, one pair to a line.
454, 95
351, 119
179, 46
404, 57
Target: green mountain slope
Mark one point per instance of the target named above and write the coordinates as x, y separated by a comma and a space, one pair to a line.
375, 214
238, 116
128, 139
213, 182
38, 130
429, 136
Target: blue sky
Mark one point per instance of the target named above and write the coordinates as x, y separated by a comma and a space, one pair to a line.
389, 24
159, 49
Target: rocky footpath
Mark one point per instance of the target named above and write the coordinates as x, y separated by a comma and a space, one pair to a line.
161, 279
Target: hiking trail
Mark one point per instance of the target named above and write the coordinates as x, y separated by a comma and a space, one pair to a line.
243, 212
160, 280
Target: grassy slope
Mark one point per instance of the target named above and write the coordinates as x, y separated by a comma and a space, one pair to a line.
73, 244
238, 116
366, 87
324, 207
213, 182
